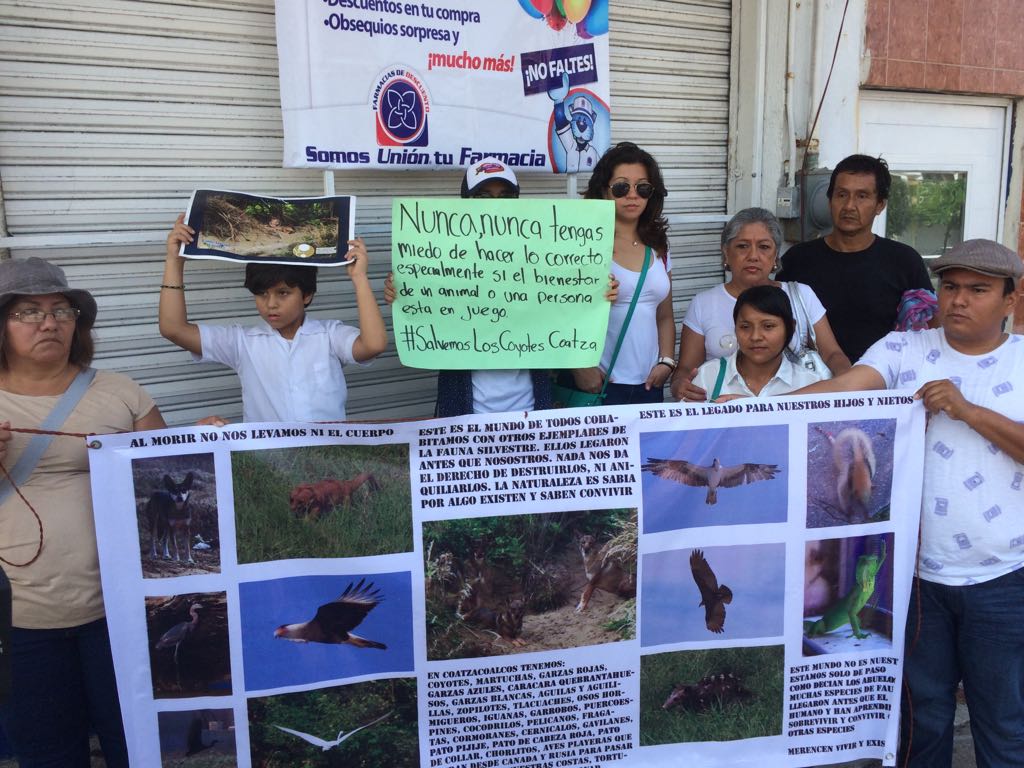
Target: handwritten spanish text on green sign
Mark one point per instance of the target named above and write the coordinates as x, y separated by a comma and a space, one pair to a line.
501, 283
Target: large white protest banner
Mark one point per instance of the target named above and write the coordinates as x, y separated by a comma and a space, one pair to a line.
412, 85
719, 584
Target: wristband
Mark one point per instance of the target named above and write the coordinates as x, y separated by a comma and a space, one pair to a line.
174, 287
670, 362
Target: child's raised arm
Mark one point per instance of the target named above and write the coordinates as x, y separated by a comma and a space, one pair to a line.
174, 324
373, 338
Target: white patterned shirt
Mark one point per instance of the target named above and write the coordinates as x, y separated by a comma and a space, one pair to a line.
972, 515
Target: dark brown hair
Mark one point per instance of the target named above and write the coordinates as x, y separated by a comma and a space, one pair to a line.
263, 277
864, 164
82, 346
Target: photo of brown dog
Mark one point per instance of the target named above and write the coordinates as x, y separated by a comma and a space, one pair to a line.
311, 500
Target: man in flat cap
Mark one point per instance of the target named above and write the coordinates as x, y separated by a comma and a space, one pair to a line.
966, 615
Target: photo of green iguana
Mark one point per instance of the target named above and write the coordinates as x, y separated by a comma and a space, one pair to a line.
847, 610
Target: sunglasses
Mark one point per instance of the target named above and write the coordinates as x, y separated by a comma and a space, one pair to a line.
621, 189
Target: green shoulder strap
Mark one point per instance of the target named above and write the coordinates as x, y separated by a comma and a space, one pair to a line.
629, 315
718, 382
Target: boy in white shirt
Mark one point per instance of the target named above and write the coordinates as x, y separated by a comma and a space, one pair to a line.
289, 364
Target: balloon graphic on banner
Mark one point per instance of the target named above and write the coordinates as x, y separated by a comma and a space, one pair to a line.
556, 20
595, 23
589, 16
538, 9
573, 10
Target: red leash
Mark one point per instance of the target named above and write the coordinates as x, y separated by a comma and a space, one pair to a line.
39, 522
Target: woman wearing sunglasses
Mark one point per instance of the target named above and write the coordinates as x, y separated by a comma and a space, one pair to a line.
631, 178
750, 248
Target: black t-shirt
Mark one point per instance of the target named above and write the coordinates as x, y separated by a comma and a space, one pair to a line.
861, 291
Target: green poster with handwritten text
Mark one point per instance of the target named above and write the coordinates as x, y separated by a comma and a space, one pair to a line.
501, 283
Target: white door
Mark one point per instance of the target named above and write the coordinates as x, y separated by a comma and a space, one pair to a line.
948, 159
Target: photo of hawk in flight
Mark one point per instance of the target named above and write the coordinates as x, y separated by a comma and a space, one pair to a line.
714, 477
334, 621
713, 596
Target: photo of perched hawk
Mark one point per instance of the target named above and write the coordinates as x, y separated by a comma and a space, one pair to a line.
714, 477
712, 595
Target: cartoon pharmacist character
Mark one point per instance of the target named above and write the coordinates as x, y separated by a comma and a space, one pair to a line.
576, 126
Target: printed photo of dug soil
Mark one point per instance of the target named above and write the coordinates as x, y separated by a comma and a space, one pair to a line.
711, 695
366, 725
322, 501
176, 509
240, 227
526, 583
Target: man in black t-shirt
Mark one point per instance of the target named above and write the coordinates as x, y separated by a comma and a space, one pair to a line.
859, 277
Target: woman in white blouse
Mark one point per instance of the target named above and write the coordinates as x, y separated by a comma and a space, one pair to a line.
761, 366
630, 177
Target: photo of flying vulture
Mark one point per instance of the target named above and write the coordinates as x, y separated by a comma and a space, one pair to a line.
334, 620
340, 625
323, 743
713, 596
708, 477
740, 593
714, 477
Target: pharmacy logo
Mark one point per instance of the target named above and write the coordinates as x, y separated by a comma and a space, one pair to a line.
402, 105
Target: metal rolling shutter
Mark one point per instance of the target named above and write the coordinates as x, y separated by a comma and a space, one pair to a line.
112, 111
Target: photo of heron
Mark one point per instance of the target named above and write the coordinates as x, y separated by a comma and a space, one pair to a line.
712, 593
849, 471
189, 653
200, 738
322, 501
364, 725
176, 510
309, 629
705, 477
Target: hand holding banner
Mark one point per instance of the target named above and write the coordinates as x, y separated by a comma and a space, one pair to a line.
501, 284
